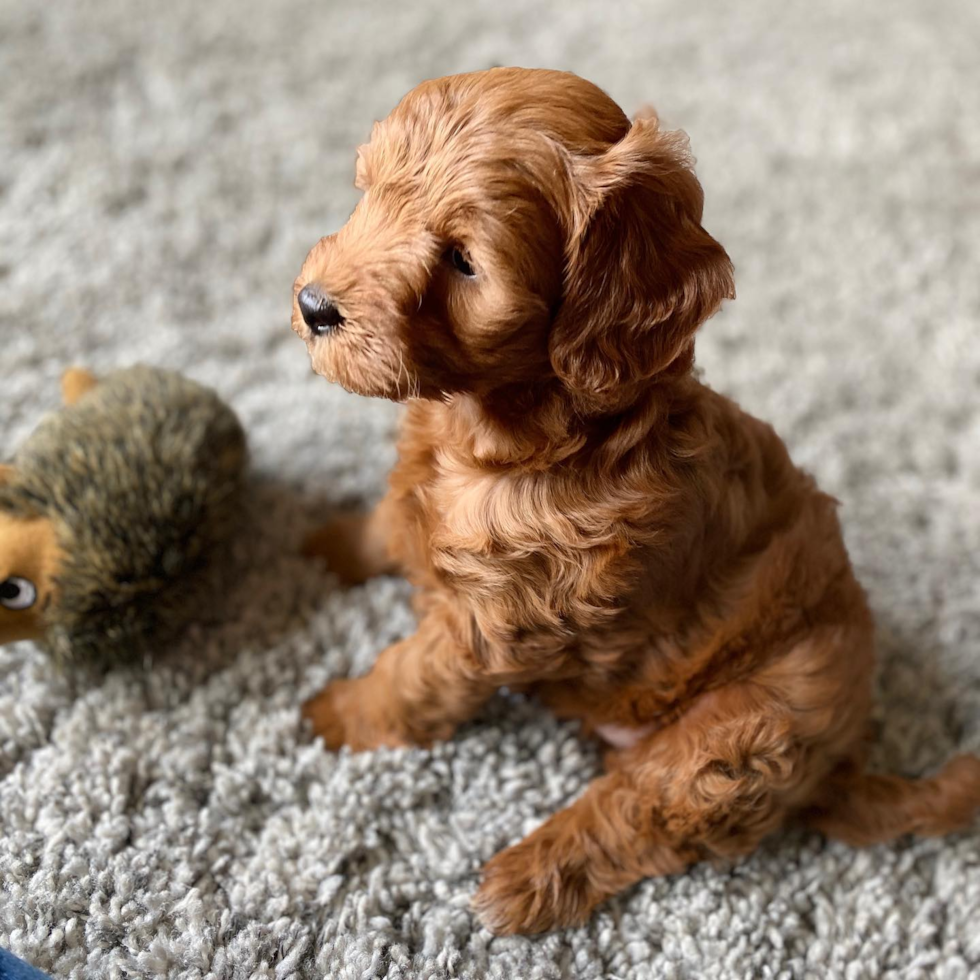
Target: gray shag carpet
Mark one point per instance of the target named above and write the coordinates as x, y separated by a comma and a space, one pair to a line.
164, 168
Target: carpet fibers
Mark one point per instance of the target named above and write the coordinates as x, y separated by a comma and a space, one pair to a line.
163, 169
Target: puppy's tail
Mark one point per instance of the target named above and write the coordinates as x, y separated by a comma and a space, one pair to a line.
862, 809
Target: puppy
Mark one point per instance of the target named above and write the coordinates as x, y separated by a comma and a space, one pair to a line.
583, 518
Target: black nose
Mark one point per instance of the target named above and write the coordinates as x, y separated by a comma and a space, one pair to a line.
319, 310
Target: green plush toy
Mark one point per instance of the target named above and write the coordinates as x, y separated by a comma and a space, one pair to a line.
111, 512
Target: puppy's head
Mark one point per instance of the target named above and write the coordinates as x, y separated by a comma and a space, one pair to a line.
515, 229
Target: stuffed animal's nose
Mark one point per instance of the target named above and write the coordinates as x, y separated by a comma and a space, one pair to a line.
319, 310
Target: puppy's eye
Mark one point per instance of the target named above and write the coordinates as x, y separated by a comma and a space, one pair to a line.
460, 262
17, 593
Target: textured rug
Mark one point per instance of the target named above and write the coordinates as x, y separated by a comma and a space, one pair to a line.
164, 168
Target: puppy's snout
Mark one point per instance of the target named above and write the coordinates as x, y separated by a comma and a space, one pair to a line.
319, 310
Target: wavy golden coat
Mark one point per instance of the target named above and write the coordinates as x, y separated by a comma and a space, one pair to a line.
583, 518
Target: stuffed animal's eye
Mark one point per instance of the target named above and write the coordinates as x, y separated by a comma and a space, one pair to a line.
17, 593
460, 262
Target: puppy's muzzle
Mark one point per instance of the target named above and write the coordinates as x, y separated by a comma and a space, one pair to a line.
319, 311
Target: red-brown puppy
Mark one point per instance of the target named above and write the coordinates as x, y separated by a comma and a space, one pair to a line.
583, 518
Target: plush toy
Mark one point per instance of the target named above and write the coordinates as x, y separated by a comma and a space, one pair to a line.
111, 511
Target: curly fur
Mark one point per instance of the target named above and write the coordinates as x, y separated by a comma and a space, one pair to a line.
142, 478
583, 517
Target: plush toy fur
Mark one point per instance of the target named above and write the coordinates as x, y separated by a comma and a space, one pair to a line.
112, 509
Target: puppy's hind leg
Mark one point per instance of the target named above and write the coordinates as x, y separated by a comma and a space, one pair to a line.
355, 545
601, 844
712, 783
862, 809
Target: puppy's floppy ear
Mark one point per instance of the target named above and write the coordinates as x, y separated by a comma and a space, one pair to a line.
641, 272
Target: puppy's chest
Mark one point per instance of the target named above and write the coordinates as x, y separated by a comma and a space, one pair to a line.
519, 538
484, 517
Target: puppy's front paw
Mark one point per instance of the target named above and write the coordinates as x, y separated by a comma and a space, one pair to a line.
347, 549
344, 713
326, 712
528, 888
